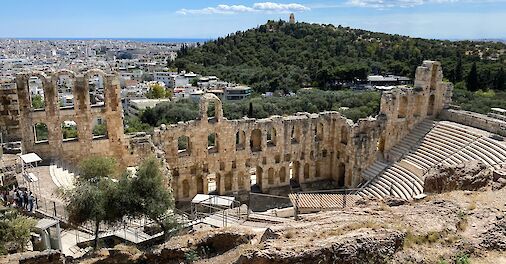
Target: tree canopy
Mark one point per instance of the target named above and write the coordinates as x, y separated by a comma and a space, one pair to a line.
99, 198
283, 56
14, 230
353, 105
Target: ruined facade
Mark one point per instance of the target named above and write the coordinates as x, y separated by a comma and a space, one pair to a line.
278, 150
406, 107
82, 116
302, 148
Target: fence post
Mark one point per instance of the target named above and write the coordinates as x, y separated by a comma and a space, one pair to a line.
344, 198
296, 206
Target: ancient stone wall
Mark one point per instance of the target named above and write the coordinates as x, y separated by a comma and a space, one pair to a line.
480, 121
9, 112
304, 148
404, 108
301, 148
278, 151
84, 113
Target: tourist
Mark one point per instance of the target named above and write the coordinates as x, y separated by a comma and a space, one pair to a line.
25, 200
30, 202
19, 196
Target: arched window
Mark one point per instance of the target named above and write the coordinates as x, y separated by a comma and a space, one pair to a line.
65, 86
96, 89
271, 137
258, 176
69, 130
256, 140
99, 128
240, 140
213, 182
183, 145
228, 181
306, 171
318, 170
40, 132
211, 109
200, 184
341, 175
270, 176
295, 171
186, 189
36, 91
212, 143
282, 175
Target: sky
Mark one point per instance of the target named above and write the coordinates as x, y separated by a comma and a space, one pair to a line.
441, 19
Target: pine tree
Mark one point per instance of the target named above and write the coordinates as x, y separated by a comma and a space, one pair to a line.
472, 81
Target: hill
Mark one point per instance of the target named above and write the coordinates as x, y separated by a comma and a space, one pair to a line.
283, 56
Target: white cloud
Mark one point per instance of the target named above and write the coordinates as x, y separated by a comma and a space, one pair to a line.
280, 8
263, 7
220, 9
394, 3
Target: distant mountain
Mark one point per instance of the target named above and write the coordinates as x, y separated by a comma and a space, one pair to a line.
283, 56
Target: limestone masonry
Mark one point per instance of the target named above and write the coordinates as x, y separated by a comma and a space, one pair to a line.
303, 147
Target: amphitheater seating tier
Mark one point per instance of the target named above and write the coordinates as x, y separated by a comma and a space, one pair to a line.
431, 143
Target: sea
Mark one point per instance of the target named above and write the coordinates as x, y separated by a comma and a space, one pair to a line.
151, 40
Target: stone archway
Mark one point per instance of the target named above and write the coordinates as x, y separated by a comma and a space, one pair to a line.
204, 105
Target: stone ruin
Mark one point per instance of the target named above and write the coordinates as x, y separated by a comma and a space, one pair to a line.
301, 148
88, 107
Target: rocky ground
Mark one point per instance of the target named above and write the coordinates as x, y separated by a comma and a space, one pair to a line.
459, 226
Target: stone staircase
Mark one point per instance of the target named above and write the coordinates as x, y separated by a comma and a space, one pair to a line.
61, 178
428, 145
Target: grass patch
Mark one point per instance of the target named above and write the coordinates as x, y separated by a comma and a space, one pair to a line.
430, 237
341, 230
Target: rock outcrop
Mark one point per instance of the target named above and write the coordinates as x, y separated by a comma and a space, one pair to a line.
364, 247
471, 176
36, 257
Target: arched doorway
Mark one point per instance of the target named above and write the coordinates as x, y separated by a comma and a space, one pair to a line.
341, 175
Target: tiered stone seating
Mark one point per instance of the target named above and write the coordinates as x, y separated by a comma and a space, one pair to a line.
439, 144
412, 139
486, 150
61, 178
442, 142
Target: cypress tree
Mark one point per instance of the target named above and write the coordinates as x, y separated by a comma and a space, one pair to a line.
472, 81
500, 80
458, 70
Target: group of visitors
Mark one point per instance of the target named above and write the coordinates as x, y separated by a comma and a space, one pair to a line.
19, 198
